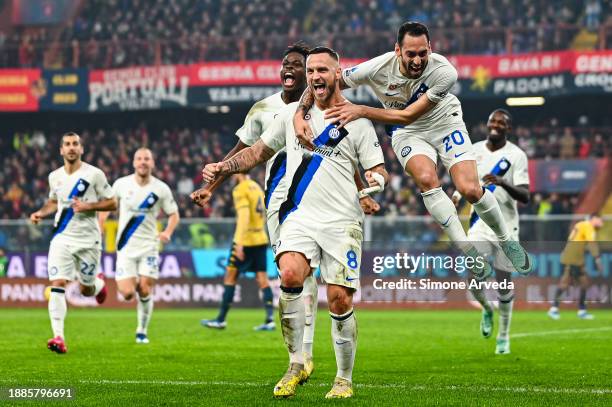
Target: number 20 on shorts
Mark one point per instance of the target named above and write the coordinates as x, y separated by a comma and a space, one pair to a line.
455, 138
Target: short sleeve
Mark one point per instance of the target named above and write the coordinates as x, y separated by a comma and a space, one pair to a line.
368, 149
275, 135
521, 170
103, 189
52, 192
252, 128
362, 74
168, 203
443, 79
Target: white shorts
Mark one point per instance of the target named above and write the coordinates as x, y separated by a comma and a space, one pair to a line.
146, 265
273, 226
486, 242
451, 143
335, 249
67, 262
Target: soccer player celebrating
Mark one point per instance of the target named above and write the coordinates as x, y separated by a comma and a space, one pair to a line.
321, 219
76, 191
259, 118
503, 169
413, 84
141, 197
248, 252
583, 236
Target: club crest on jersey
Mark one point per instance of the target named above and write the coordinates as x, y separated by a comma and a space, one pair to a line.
406, 150
334, 133
503, 165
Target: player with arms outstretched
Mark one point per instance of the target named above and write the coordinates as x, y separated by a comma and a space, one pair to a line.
76, 191
582, 237
320, 217
413, 84
141, 198
503, 170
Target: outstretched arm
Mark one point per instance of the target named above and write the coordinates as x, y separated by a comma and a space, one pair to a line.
202, 196
241, 162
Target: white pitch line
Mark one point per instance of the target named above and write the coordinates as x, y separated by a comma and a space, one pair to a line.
560, 332
404, 386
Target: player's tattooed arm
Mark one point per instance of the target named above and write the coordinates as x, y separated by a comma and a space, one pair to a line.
202, 196
300, 123
243, 161
48, 208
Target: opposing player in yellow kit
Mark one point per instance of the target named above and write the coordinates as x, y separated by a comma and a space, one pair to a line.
582, 236
248, 252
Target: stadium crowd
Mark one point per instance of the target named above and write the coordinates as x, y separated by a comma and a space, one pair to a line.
28, 157
120, 33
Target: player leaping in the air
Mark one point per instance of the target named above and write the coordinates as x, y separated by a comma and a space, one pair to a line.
259, 118
141, 197
321, 219
413, 84
503, 169
76, 191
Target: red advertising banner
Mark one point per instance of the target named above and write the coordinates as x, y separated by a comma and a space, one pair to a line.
20, 89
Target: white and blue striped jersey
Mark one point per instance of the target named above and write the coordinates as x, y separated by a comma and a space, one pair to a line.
261, 115
88, 184
509, 162
395, 91
321, 185
139, 206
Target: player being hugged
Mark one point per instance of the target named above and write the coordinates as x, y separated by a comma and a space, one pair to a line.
503, 170
320, 218
413, 84
76, 191
141, 197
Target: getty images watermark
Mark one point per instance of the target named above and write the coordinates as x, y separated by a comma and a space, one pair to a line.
417, 265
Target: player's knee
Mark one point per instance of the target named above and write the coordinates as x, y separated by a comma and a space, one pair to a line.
340, 301
127, 294
144, 290
291, 276
87, 290
472, 192
427, 180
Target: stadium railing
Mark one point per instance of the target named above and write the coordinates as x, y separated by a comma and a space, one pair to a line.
203, 233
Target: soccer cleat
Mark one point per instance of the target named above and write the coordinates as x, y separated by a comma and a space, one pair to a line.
553, 313
142, 338
286, 386
268, 326
213, 323
101, 297
342, 389
502, 347
480, 273
583, 314
57, 345
308, 366
520, 259
486, 323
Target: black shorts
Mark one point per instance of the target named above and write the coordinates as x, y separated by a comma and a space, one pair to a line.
255, 259
574, 272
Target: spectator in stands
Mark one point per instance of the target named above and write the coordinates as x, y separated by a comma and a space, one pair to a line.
567, 145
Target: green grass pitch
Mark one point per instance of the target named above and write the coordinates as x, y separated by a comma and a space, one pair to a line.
403, 358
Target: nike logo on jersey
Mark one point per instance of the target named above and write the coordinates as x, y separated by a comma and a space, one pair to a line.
460, 154
352, 278
391, 94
